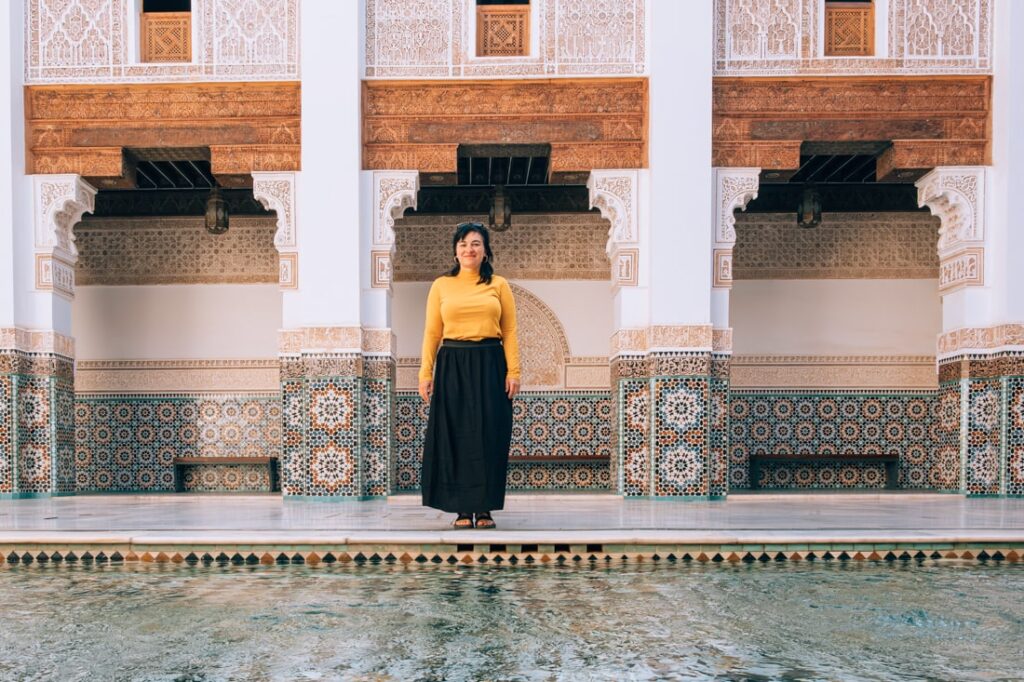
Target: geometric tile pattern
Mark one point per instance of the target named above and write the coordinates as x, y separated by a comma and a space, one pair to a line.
64, 434
556, 424
6, 433
945, 472
816, 423
634, 437
376, 441
34, 468
127, 443
1015, 435
681, 436
533, 555
718, 437
984, 466
332, 436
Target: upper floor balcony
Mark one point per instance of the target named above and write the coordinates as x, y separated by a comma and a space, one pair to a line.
844, 37
98, 41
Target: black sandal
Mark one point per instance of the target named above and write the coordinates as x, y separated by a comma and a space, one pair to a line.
484, 520
463, 522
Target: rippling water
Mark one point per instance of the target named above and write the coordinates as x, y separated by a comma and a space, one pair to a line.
759, 622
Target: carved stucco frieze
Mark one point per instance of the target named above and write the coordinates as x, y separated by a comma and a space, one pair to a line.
956, 195
616, 193
784, 38
734, 189
435, 39
60, 202
393, 193
985, 340
276, 192
87, 41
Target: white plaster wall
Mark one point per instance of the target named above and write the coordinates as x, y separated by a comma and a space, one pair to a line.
583, 308
205, 322
327, 210
835, 317
681, 196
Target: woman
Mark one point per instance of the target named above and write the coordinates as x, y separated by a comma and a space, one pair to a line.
471, 314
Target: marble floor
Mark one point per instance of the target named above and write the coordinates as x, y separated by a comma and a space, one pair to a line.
860, 517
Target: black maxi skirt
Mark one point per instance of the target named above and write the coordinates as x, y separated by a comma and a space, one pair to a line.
465, 455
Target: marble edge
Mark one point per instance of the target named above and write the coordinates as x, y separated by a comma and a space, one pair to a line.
513, 537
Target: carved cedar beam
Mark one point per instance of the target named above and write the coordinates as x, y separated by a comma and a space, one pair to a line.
82, 129
910, 159
776, 154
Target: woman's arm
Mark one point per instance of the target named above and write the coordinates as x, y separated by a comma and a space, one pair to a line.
509, 338
433, 329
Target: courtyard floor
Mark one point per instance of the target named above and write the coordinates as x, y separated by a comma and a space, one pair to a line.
762, 518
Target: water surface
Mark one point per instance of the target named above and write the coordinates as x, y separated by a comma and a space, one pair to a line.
789, 621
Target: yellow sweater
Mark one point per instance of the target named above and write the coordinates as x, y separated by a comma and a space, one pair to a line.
460, 309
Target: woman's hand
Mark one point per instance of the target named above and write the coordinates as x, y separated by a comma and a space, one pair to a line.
426, 389
511, 387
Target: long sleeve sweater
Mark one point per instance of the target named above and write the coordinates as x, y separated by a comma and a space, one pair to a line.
459, 308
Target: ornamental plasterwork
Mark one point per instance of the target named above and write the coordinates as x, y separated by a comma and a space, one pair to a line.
60, 202
662, 338
845, 246
320, 340
734, 189
276, 192
394, 192
537, 246
171, 376
435, 39
819, 371
956, 194
88, 41
783, 38
615, 194
176, 250
33, 341
981, 340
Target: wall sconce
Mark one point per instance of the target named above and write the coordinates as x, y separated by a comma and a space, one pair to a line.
808, 213
501, 209
216, 212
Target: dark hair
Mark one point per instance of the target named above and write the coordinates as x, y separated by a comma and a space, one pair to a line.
461, 232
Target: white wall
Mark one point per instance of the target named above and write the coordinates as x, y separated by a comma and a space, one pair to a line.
835, 317
213, 321
583, 308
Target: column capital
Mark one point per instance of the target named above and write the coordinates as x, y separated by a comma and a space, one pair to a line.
394, 191
956, 195
615, 193
59, 203
276, 192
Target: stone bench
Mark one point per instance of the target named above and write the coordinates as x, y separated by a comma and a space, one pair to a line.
891, 463
182, 462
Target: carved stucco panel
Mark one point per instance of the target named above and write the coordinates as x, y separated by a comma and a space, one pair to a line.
734, 189
86, 41
544, 348
615, 194
276, 192
956, 194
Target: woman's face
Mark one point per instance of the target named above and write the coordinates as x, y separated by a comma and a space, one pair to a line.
470, 251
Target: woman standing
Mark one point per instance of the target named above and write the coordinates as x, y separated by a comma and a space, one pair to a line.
471, 314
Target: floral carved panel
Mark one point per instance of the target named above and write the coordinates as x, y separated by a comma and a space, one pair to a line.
436, 39
87, 41
783, 38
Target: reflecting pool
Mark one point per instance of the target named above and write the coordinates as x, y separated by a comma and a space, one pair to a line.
857, 621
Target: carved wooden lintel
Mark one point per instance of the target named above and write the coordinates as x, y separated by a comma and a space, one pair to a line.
83, 129
940, 121
590, 123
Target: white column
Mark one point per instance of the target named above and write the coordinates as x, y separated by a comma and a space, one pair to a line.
680, 160
327, 187
1007, 197
15, 188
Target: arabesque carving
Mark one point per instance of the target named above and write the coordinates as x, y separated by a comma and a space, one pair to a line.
783, 38
590, 123
60, 202
419, 39
247, 126
956, 195
276, 192
86, 41
615, 193
734, 189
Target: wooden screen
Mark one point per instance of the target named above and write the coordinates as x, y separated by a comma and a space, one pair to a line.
502, 30
166, 36
849, 29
